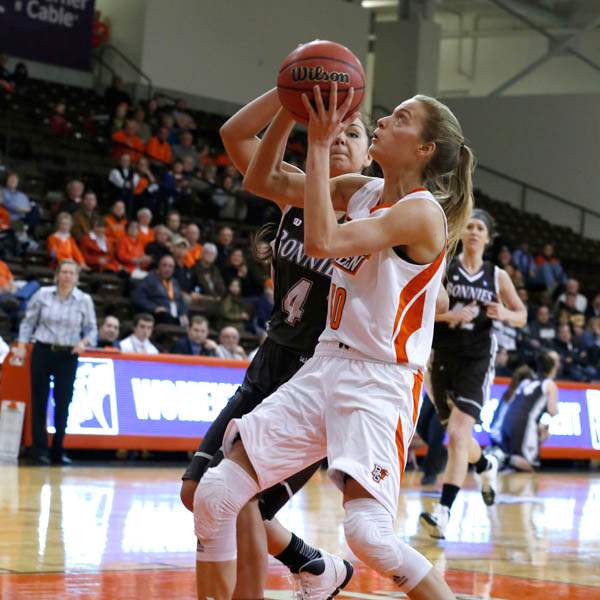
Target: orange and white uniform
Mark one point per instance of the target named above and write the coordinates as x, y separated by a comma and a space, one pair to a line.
357, 399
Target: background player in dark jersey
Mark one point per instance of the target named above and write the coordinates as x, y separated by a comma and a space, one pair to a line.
521, 430
463, 361
299, 314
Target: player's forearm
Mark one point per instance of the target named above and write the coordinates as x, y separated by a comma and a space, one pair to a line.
264, 173
516, 318
320, 224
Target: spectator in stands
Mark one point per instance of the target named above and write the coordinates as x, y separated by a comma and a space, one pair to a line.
61, 322
128, 141
570, 305
173, 223
160, 294
116, 221
115, 94
143, 129
183, 119
225, 201
186, 147
523, 260
224, 244
16, 202
573, 358
175, 189
196, 342
159, 150
263, 307
139, 341
590, 340
168, 122
119, 118
7, 87
593, 309
58, 121
146, 191
208, 275
184, 275
229, 344
9, 247
504, 257
85, 215
192, 234
233, 311
159, 247
145, 232
100, 30
61, 245
153, 113
9, 302
572, 287
108, 334
541, 332
501, 363
123, 181
131, 253
99, 250
549, 272
72, 202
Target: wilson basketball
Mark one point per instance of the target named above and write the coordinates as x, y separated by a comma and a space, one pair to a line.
319, 63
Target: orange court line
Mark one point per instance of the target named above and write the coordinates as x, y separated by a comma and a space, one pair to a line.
179, 583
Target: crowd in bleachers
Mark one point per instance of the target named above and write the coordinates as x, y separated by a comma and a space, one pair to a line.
144, 199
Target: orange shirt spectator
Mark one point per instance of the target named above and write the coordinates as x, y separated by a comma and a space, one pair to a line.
100, 31
146, 236
62, 248
116, 221
98, 250
4, 219
130, 250
127, 141
158, 148
192, 256
6, 277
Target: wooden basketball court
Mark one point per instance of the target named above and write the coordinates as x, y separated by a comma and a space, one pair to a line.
97, 532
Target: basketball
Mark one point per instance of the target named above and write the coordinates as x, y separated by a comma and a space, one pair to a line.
319, 62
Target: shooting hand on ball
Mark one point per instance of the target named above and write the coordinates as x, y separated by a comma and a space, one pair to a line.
324, 124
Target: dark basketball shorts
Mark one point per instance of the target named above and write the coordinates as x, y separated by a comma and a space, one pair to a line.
272, 366
462, 382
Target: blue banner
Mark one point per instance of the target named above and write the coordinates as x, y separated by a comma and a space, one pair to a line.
143, 398
49, 31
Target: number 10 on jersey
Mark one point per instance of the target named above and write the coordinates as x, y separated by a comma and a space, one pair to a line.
336, 305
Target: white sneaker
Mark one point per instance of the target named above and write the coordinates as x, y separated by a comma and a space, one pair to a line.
322, 578
436, 522
488, 480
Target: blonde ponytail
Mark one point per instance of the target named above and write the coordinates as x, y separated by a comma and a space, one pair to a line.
449, 173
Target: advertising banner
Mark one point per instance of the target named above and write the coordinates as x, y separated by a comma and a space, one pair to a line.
49, 31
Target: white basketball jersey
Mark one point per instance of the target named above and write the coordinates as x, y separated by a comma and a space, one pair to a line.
380, 304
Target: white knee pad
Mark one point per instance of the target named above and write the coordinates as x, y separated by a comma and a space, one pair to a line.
370, 534
218, 499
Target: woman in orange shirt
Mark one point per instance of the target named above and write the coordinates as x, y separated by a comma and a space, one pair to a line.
116, 221
61, 245
130, 252
145, 232
194, 253
99, 250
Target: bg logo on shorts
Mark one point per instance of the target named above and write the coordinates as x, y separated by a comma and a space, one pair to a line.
379, 473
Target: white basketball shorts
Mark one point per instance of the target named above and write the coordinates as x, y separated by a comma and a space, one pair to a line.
358, 412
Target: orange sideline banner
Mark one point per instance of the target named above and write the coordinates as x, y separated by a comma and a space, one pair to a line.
167, 402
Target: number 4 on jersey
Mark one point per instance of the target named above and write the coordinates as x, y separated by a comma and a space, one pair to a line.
293, 302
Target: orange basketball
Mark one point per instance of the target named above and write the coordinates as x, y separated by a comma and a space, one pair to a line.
319, 63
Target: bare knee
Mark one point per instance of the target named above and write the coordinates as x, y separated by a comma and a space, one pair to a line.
188, 488
459, 430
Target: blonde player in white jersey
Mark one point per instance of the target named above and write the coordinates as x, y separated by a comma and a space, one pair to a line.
357, 400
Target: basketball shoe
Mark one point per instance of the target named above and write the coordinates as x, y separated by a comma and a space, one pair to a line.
436, 522
488, 479
322, 578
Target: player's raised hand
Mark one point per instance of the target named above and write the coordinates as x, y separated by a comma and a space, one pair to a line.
324, 124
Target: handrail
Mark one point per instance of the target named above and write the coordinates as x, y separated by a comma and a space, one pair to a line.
525, 187
128, 61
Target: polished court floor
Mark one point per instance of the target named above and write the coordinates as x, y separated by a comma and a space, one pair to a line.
119, 532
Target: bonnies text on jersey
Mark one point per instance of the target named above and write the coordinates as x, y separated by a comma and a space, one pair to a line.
292, 250
470, 292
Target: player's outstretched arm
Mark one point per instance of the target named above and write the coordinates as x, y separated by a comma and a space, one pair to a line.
240, 132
